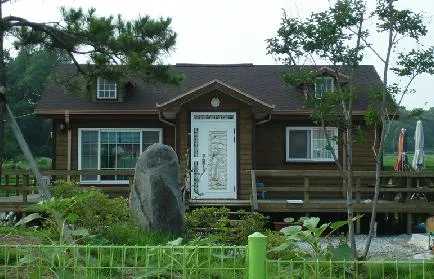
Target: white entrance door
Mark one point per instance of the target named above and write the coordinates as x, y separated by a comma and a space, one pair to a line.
213, 155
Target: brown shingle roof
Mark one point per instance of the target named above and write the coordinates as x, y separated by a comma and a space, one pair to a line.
264, 82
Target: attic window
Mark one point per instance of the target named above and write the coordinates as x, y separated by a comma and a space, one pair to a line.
106, 89
322, 86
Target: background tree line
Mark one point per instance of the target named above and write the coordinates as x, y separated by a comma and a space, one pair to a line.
407, 119
27, 75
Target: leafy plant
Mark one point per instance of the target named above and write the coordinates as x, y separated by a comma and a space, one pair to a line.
290, 251
215, 224
313, 234
90, 209
64, 189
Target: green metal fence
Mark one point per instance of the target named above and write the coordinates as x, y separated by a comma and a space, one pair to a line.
122, 262
43, 261
350, 269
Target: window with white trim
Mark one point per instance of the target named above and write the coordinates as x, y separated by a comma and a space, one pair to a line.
106, 89
112, 149
323, 85
310, 144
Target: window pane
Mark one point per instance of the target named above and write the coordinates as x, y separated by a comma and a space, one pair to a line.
120, 152
299, 144
89, 153
149, 138
319, 144
322, 86
106, 89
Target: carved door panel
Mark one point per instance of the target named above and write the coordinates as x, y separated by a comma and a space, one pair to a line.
213, 155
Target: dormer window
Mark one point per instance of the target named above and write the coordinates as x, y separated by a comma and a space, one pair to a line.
322, 86
106, 89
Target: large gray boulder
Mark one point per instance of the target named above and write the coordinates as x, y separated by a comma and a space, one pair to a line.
156, 193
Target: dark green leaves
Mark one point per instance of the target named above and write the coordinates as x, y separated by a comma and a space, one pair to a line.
327, 35
403, 22
106, 42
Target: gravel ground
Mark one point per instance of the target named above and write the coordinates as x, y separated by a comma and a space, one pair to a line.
398, 247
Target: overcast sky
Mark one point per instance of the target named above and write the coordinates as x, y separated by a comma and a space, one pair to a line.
227, 31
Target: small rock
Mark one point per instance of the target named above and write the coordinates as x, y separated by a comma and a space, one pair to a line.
423, 256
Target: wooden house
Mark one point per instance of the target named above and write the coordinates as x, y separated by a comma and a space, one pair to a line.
229, 119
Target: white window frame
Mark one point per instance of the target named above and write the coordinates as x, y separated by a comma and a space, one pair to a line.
317, 96
310, 142
98, 180
102, 81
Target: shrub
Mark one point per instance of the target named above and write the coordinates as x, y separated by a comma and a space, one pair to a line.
215, 224
90, 209
204, 221
64, 189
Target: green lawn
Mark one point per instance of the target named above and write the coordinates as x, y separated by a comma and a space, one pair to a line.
389, 161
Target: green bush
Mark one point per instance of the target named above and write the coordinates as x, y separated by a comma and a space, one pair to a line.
215, 224
90, 209
64, 189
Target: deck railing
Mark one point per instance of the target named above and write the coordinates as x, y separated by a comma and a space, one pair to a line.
18, 187
323, 191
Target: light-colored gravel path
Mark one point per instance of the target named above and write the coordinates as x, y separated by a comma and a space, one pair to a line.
397, 247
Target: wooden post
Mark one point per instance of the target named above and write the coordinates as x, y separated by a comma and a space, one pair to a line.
409, 222
358, 225
306, 189
25, 187
408, 184
358, 184
7, 185
254, 193
17, 185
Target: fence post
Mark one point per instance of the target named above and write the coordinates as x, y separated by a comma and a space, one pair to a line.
257, 256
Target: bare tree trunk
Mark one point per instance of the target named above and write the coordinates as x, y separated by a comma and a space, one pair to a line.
2, 91
373, 212
349, 180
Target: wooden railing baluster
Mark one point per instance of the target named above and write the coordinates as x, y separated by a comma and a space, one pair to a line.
254, 192
306, 189
25, 187
7, 185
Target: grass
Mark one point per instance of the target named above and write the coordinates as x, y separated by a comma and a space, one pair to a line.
348, 269
44, 163
389, 161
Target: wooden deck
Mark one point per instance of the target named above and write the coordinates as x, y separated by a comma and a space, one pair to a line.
295, 191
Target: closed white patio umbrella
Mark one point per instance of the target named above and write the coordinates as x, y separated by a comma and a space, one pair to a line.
419, 156
418, 162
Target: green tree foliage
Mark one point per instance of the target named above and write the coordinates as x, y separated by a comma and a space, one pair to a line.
334, 36
27, 75
340, 36
114, 48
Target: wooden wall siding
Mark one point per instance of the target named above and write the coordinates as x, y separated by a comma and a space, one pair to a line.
270, 149
61, 137
270, 154
227, 103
